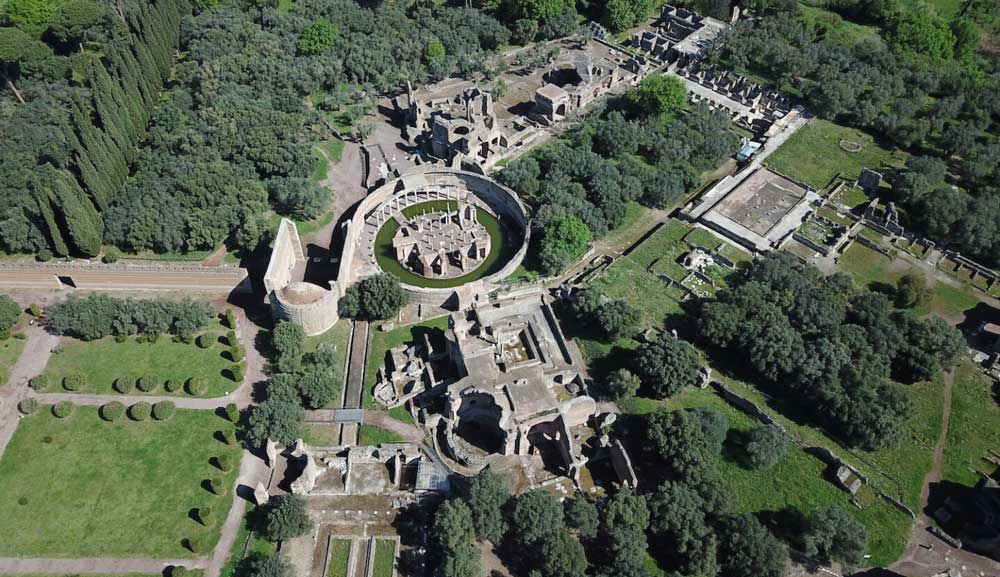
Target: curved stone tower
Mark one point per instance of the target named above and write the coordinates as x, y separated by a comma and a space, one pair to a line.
292, 299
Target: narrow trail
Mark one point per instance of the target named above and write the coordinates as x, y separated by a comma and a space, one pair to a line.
926, 554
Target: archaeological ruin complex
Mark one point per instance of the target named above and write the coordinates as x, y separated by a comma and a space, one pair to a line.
442, 244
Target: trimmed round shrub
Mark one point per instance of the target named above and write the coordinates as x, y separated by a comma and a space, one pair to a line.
44, 255
232, 412
206, 516
73, 382
40, 382
124, 385
34, 310
110, 258
218, 486
140, 411
172, 386
225, 463
230, 319
63, 409
236, 373
147, 383
196, 386
28, 406
231, 338
179, 571
121, 338
205, 340
194, 544
235, 354
164, 410
20, 336
112, 411
228, 437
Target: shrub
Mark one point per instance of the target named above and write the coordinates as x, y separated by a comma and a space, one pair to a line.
235, 354
147, 383
205, 340
164, 410
124, 385
73, 382
231, 339
228, 437
196, 386
4, 334
206, 516
40, 382
172, 386
20, 336
236, 373
218, 486
765, 446
225, 463
232, 412
230, 319
194, 544
112, 411
34, 310
110, 258
121, 338
63, 409
44, 255
179, 571
140, 411
28, 406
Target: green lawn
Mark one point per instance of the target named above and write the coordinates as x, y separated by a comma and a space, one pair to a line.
256, 545
865, 264
333, 148
340, 557
373, 435
629, 281
83, 487
321, 434
382, 342
339, 337
974, 427
813, 154
637, 220
837, 30
385, 558
10, 350
102, 361
321, 166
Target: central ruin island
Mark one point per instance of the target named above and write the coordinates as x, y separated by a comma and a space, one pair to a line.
444, 244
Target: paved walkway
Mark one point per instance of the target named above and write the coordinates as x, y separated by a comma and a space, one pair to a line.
34, 357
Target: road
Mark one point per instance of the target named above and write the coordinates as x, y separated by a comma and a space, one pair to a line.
221, 280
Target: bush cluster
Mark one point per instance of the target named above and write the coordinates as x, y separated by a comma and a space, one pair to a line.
99, 315
73, 382
40, 382
140, 411
147, 383
196, 386
112, 411
28, 406
63, 409
124, 385
164, 410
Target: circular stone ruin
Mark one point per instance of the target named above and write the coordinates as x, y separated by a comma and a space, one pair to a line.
437, 230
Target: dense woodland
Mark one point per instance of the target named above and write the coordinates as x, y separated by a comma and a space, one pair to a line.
919, 83
98, 154
643, 148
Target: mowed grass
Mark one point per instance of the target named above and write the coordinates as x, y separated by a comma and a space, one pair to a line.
385, 558
340, 557
102, 361
338, 337
10, 351
381, 343
321, 434
374, 435
813, 154
83, 487
974, 428
866, 265
799, 480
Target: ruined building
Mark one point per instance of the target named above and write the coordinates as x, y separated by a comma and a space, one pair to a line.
465, 124
442, 244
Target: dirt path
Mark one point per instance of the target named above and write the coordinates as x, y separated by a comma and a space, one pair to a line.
918, 560
252, 471
145, 565
409, 433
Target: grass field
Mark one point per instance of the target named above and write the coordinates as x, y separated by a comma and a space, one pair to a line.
382, 342
813, 154
256, 545
10, 350
333, 149
837, 29
866, 265
321, 434
385, 558
83, 487
102, 361
339, 337
340, 557
974, 426
798, 480
373, 435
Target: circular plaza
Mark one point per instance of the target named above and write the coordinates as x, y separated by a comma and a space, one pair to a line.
437, 230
